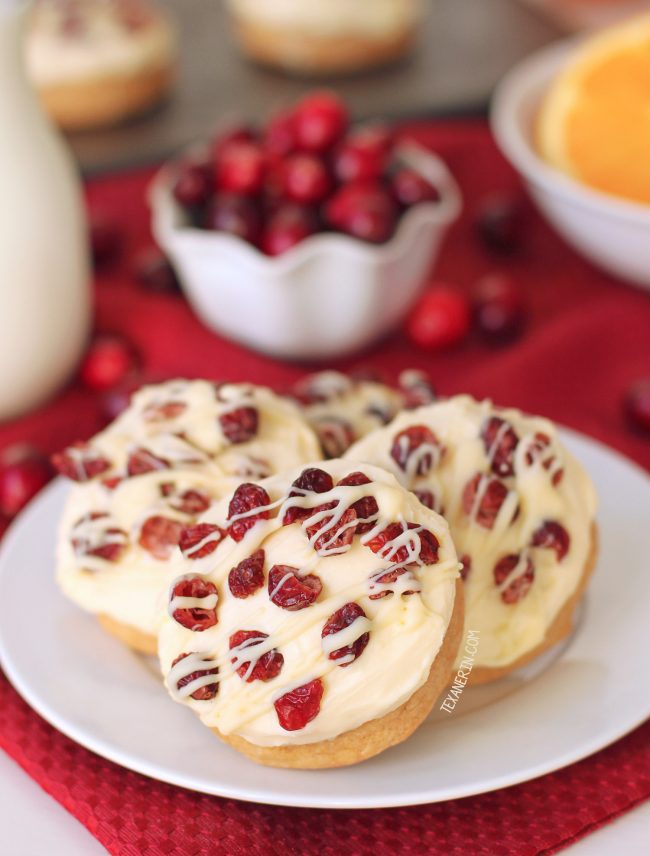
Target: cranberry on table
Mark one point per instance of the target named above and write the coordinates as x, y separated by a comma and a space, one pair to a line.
305, 179
500, 223
279, 134
193, 185
319, 121
240, 168
106, 238
153, 272
234, 214
409, 188
363, 155
364, 211
23, 472
636, 404
287, 226
440, 319
108, 361
499, 308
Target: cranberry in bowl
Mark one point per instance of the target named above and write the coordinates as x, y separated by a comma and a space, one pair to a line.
297, 252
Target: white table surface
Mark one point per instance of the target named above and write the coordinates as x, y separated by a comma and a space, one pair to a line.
57, 833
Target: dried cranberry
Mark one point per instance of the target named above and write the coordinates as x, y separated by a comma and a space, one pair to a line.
247, 498
163, 412
408, 444
500, 441
290, 591
330, 535
427, 549
491, 494
520, 585
553, 536
200, 540
428, 499
143, 461
204, 693
382, 579
335, 435
410, 188
159, 535
538, 451
365, 508
190, 502
338, 621
107, 543
465, 566
195, 618
263, 668
417, 388
80, 462
319, 121
311, 480
239, 425
248, 576
299, 706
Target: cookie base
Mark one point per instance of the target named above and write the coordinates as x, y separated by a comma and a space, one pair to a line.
143, 643
374, 736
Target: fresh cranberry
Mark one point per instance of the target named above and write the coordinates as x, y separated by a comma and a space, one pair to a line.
287, 226
234, 214
427, 548
362, 210
80, 462
311, 480
305, 179
248, 576
154, 273
409, 188
552, 535
500, 223
296, 708
329, 535
106, 238
499, 441
159, 535
279, 135
637, 405
335, 435
239, 425
363, 155
520, 585
206, 692
365, 508
240, 169
234, 135
319, 121
108, 362
465, 566
200, 540
195, 618
247, 498
491, 495
499, 308
440, 319
193, 185
23, 472
339, 620
141, 461
408, 444
290, 591
108, 543
263, 668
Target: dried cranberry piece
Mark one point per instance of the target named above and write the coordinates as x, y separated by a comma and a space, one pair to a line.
190, 501
163, 412
537, 450
263, 668
336, 435
109, 543
311, 480
329, 535
417, 388
407, 443
388, 577
290, 591
195, 618
80, 462
205, 693
553, 536
299, 706
429, 545
159, 535
365, 508
143, 461
428, 498
521, 583
465, 566
239, 425
500, 441
338, 621
245, 500
382, 544
483, 497
200, 540
248, 576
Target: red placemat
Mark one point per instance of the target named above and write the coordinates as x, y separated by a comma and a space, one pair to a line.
587, 339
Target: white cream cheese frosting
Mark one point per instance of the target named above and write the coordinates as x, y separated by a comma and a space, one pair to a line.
520, 508
177, 447
401, 593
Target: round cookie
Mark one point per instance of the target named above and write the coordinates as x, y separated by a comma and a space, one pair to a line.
521, 511
177, 448
320, 627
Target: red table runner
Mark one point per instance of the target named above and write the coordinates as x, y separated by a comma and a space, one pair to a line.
587, 339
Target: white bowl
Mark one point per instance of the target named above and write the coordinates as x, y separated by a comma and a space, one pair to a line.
612, 233
328, 296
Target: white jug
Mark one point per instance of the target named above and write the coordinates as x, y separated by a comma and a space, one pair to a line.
44, 270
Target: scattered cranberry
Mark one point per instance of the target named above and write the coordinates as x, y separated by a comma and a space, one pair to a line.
195, 618
410, 188
106, 238
305, 179
239, 425
500, 223
200, 540
552, 535
262, 668
290, 591
279, 134
637, 405
520, 585
366, 508
247, 498
234, 135
141, 461
363, 155
299, 706
440, 319
364, 211
409, 444
248, 576
287, 226
342, 618
193, 185
329, 535
483, 497
153, 271
159, 535
319, 121
80, 462
206, 692
499, 308
499, 441
108, 361
235, 215
23, 472
240, 169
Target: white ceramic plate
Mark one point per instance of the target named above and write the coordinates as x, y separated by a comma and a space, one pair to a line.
111, 701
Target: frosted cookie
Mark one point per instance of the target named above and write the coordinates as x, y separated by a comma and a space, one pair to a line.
148, 476
97, 62
321, 623
521, 511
